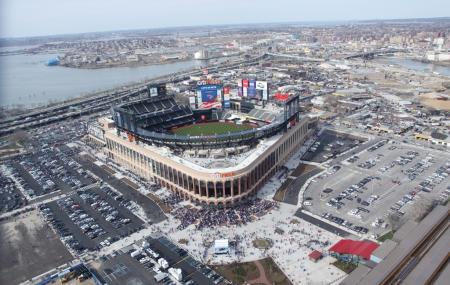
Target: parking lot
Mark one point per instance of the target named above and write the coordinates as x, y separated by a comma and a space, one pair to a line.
150, 260
47, 170
92, 219
386, 179
151, 209
10, 196
329, 144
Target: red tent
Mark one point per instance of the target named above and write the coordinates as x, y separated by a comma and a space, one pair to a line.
354, 247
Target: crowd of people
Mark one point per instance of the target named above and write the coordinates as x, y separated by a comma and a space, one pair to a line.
211, 217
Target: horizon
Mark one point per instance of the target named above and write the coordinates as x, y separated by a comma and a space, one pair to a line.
26, 19
287, 23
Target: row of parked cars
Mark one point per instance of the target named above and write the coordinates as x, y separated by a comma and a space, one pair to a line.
40, 175
419, 167
125, 203
377, 146
26, 188
66, 235
351, 193
76, 178
108, 212
10, 196
401, 160
79, 217
345, 223
440, 175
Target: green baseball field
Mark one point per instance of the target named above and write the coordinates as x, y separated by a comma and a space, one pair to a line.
210, 129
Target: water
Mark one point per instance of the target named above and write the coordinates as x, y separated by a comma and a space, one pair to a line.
26, 81
418, 65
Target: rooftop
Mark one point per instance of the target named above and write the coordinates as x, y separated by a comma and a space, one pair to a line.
354, 247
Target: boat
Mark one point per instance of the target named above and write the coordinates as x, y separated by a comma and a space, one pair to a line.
53, 62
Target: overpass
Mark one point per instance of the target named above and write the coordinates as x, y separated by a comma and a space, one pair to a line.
372, 54
296, 57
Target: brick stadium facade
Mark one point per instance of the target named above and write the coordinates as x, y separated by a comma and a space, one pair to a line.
221, 188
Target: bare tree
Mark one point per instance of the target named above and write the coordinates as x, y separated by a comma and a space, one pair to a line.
19, 136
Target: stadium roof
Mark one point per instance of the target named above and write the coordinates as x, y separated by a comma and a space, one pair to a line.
355, 247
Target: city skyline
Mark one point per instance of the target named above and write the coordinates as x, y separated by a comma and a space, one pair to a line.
25, 18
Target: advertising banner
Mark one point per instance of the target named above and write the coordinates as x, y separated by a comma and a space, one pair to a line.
239, 93
199, 98
192, 102
251, 88
226, 100
261, 85
211, 96
265, 95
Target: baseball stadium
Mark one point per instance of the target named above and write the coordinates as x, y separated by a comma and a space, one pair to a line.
214, 156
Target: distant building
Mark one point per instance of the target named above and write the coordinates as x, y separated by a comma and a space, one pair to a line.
434, 138
202, 54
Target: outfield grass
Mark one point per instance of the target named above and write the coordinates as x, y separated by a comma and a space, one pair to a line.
210, 129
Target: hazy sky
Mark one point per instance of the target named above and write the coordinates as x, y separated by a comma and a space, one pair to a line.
47, 17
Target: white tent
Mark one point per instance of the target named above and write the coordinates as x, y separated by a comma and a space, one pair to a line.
221, 246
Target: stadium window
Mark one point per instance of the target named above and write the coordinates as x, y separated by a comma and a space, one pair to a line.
180, 178
235, 187
211, 189
165, 173
171, 176
190, 184
219, 188
227, 188
196, 187
202, 188
243, 183
185, 182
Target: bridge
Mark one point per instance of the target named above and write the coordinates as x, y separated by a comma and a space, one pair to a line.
372, 54
296, 57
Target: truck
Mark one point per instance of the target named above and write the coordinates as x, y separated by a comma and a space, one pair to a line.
160, 276
164, 264
176, 273
135, 253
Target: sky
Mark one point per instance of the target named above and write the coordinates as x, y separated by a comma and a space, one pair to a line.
19, 18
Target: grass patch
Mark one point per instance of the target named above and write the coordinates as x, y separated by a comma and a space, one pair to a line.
273, 272
211, 128
238, 273
295, 221
183, 241
386, 236
281, 192
262, 243
166, 208
347, 267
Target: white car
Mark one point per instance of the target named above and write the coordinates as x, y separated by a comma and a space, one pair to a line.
307, 203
